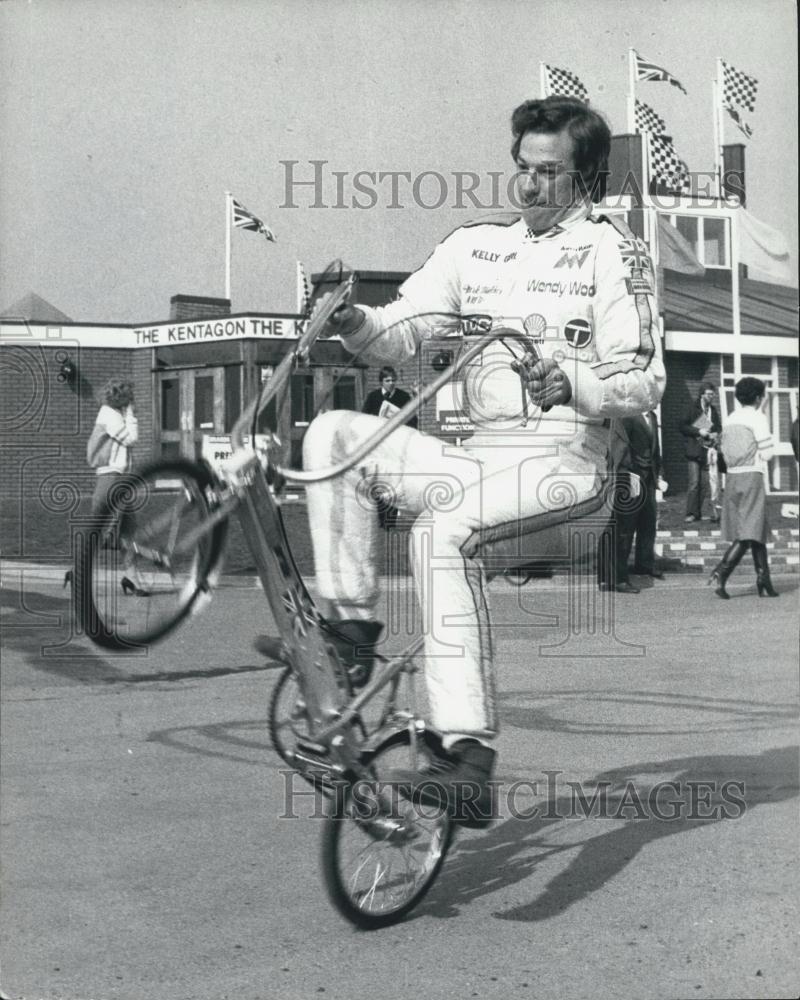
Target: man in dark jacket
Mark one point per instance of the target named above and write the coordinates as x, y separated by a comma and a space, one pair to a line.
385, 402
637, 459
701, 428
388, 399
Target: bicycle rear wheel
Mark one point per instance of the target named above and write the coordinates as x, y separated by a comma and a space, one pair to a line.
147, 559
380, 852
287, 718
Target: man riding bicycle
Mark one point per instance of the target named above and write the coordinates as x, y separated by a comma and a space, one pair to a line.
579, 292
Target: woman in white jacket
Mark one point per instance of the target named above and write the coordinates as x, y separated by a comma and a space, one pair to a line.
108, 450
116, 430
747, 446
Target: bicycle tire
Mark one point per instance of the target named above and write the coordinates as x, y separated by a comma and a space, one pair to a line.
282, 724
350, 901
161, 585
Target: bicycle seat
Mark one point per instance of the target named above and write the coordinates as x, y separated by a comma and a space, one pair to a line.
534, 546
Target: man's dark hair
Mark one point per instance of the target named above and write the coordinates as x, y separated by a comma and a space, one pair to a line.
588, 129
387, 372
706, 386
749, 389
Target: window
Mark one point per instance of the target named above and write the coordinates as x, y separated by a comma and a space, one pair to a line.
302, 391
204, 402
344, 393
707, 235
170, 404
714, 249
687, 226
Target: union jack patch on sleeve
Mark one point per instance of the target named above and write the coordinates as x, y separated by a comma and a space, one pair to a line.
635, 255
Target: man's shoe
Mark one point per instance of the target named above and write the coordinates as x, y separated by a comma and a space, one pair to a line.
456, 782
690, 519
655, 573
354, 640
272, 648
626, 588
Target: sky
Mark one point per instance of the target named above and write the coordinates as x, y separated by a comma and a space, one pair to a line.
124, 123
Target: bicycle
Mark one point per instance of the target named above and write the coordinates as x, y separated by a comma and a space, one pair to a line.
380, 853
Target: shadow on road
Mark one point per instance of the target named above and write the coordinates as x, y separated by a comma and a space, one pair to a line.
549, 711
513, 851
38, 626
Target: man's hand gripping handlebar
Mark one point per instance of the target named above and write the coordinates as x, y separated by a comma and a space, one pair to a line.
547, 384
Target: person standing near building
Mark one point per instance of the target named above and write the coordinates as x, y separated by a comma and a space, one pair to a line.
700, 426
108, 450
385, 401
645, 451
747, 445
635, 512
388, 398
115, 431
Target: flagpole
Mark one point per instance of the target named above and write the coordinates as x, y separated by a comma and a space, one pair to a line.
646, 160
631, 91
542, 80
718, 127
737, 317
228, 223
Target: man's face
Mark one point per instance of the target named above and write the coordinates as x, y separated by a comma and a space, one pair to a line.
708, 396
545, 189
387, 384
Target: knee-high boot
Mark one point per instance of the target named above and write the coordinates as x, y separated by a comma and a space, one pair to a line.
763, 581
726, 566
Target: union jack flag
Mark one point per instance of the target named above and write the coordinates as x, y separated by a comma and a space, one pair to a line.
738, 88
564, 84
303, 291
299, 613
646, 70
242, 219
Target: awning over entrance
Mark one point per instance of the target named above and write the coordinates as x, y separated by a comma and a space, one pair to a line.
698, 304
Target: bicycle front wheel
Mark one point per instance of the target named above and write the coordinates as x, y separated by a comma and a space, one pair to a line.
381, 853
147, 559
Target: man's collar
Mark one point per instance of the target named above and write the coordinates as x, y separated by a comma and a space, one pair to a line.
581, 212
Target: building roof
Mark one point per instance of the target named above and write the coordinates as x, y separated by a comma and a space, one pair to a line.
36, 309
692, 303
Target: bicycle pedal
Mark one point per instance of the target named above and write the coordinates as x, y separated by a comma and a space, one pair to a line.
316, 749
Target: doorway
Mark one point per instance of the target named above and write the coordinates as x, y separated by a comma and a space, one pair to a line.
191, 403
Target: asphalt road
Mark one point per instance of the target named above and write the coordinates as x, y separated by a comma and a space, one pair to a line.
146, 850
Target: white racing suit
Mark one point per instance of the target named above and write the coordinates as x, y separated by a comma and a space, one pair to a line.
583, 294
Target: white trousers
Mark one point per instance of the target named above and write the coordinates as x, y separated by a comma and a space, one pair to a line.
453, 492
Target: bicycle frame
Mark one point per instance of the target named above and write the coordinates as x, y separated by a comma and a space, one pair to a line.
322, 678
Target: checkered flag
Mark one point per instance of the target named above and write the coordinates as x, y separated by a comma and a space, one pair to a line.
738, 121
647, 120
738, 88
666, 166
564, 84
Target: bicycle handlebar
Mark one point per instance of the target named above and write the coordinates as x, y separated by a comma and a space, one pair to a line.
281, 374
242, 456
393, 422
